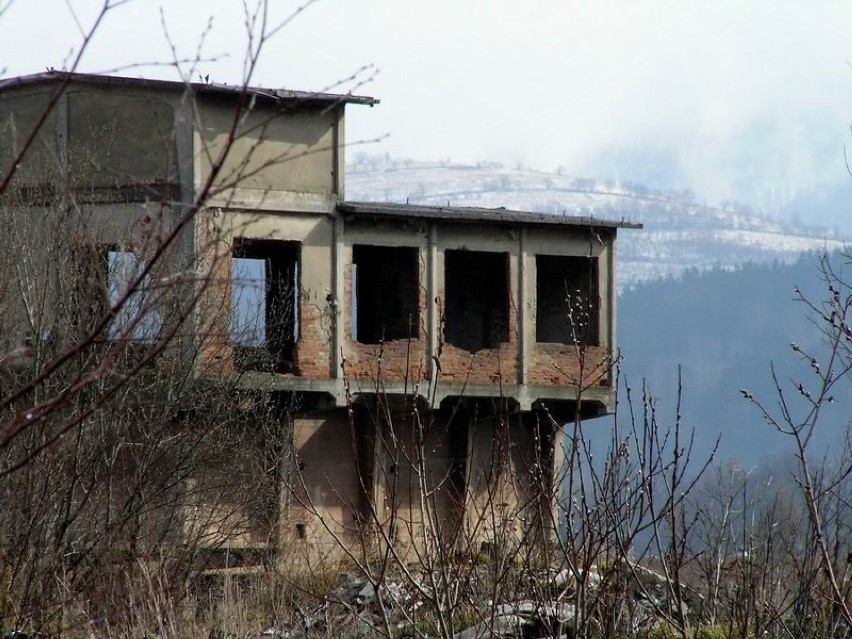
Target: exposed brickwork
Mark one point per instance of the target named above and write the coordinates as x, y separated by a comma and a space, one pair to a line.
395, 361
404, 360
559, 365
313, 350
486, 366
214, 310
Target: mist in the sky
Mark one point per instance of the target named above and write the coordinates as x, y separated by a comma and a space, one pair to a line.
734, 101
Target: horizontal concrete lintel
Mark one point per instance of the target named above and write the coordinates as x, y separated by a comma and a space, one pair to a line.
527, 397
269, 201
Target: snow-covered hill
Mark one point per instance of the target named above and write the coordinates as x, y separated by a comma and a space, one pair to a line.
679, 233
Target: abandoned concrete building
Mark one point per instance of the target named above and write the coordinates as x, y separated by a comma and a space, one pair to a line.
427, 355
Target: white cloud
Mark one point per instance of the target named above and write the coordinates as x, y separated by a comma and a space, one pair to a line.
741, 97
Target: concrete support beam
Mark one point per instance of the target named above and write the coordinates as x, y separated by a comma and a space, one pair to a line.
432, 312
525, 319
338, 301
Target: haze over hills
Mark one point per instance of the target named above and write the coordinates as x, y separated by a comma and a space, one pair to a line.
722, 330
680, 233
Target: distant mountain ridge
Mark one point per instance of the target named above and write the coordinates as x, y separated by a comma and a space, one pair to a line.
679, 233
722, 329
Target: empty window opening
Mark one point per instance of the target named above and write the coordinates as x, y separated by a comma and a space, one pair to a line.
301, 531
477, 299
386, 290
132, 300
265, 304
568, 306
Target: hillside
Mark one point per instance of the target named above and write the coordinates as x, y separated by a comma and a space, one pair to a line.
723, 329
679, 232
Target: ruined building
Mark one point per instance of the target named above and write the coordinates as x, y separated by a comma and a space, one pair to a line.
421, 358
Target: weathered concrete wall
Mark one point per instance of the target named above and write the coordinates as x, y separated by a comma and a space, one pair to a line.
232, 500
120, 139
327, 496
105, 164
93, 138
290, 149
33, 260
19, 114
418, 479
57, 275
510, 485
465, 478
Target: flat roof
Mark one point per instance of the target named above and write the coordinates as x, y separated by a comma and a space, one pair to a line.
501, 215
52, 77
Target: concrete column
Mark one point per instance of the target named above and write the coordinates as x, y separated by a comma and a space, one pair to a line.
338, 292
283, 534
433, 325
184, 138
338, 169
524, 312
191, 245
64, 177
558, 469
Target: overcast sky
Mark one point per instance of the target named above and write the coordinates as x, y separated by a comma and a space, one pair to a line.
749, 99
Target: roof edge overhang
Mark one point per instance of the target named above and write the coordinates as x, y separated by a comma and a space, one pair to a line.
200, 88
469, 214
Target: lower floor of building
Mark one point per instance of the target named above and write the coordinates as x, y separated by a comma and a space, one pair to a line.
388, 472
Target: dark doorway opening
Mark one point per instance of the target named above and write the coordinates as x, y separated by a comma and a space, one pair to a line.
477, 299
568, 306
386, 288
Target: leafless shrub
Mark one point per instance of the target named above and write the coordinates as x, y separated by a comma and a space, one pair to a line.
123, 466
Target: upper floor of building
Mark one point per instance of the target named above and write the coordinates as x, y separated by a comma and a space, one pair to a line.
302, 290
133, 140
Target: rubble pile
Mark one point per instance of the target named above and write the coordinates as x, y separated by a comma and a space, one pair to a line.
356, 607
524, 619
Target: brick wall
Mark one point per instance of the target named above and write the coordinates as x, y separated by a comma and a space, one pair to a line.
214, 310
395, 361
559, 365
313, 350
316, 325
485, 366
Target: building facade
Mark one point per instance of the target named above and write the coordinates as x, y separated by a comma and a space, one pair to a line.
422, 359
